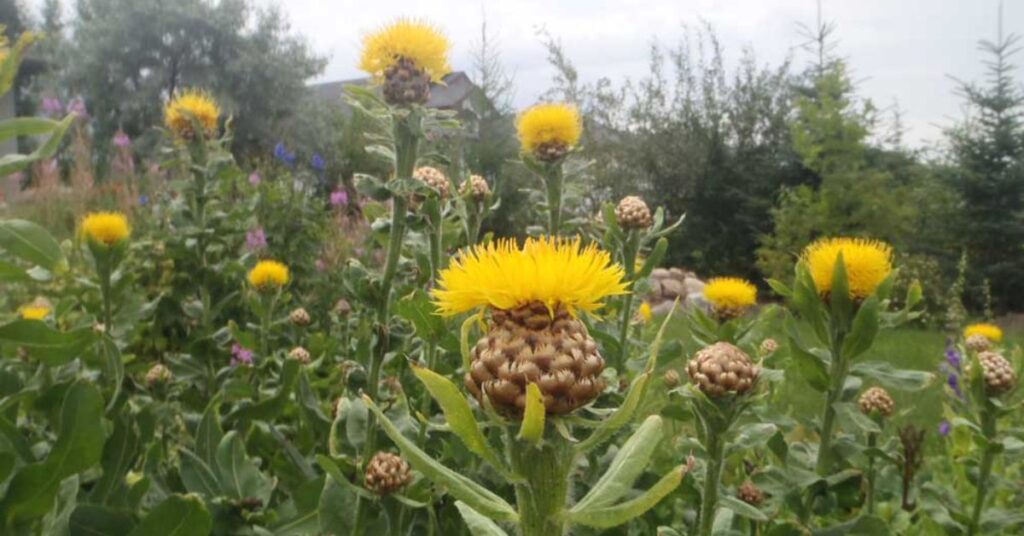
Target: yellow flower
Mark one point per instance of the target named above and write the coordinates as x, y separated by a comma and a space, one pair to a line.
34, 312
991, 332
420, 42
549, 124
107, 228
553, 271
191, 103
730, 294
645, 312
868, 263
269, 274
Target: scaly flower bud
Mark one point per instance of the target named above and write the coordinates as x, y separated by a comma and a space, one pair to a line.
876, 401
749, 493
978, 343
299, 354
721, 369
299, 317
386, 473
632, 213
999, 374
158, 374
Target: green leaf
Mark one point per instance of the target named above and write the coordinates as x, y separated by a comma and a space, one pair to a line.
209, 433
654, 259
11, 273
458, 413
44, 343
79, 446
178, 515
462, 488
95, 520
742, 508
853, 414
26, 126
532, 428
865, 328
14, 162
627, 465
31, 243
810, 366
269, 408
891, 377
422, 314
478, 524
119, 454
637, 390
612, 516
197, 476
337, 508
238, 476
839, 296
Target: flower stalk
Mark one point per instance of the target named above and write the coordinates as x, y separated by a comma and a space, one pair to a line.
988, 431
543, 492
630, 249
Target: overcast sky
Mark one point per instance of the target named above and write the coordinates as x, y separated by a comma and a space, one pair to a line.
900, 50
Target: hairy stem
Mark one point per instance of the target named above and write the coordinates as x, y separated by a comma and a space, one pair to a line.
542, 496
553, 181
712, 476
988, 430
872, 442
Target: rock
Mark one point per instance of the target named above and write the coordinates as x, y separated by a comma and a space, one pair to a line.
672, 289
693, 285
659, 273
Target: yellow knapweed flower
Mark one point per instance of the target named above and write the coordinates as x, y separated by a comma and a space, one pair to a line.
991, 332
553, 271
868, 263
645, 312
107, 228
269, 275
34, 312
730, 295
191, 103
413, 40
549, 124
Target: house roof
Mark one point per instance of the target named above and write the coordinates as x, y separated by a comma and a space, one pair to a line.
455, 89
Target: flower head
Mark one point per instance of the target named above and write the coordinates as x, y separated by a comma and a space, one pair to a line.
945, 428
645, 312
52, 106
121, 139
269, 275
255, 179
553, 271
868, 263
991, 332
318, 163
730, 296
547, 127
339, 198
77, 106
419, 42
107, 228
189, 105
35, 311
240, 355
282, 153
256, 239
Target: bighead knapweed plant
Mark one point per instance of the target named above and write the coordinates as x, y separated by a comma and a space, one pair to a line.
533, 370
983, 386
841, 290
548, 133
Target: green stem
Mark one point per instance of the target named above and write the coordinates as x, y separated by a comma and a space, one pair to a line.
406, 144
629, 251
837, 372
872, 443
544, 492
712, 476
553, 181
105, 292
988, 430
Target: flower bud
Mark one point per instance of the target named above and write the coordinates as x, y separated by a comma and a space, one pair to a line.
749, 493
769, 346
722, 369
998, 372
343, 307
299, 317
299, 354
158, 374
476, 188
632, 213
671, 378
876, 401
386, 473
433, 178
978, 343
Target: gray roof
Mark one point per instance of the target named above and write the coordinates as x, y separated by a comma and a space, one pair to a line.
457, 87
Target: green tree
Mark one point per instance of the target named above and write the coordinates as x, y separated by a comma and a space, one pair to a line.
245, 56
988, 149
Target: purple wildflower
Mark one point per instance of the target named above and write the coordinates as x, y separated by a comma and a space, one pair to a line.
77, 106
240, 355
339, 197
256, 239
953, 356
954, 383
121, 139
255, 179
282, 153
52, 106
318, 163
143, 200
945, 428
